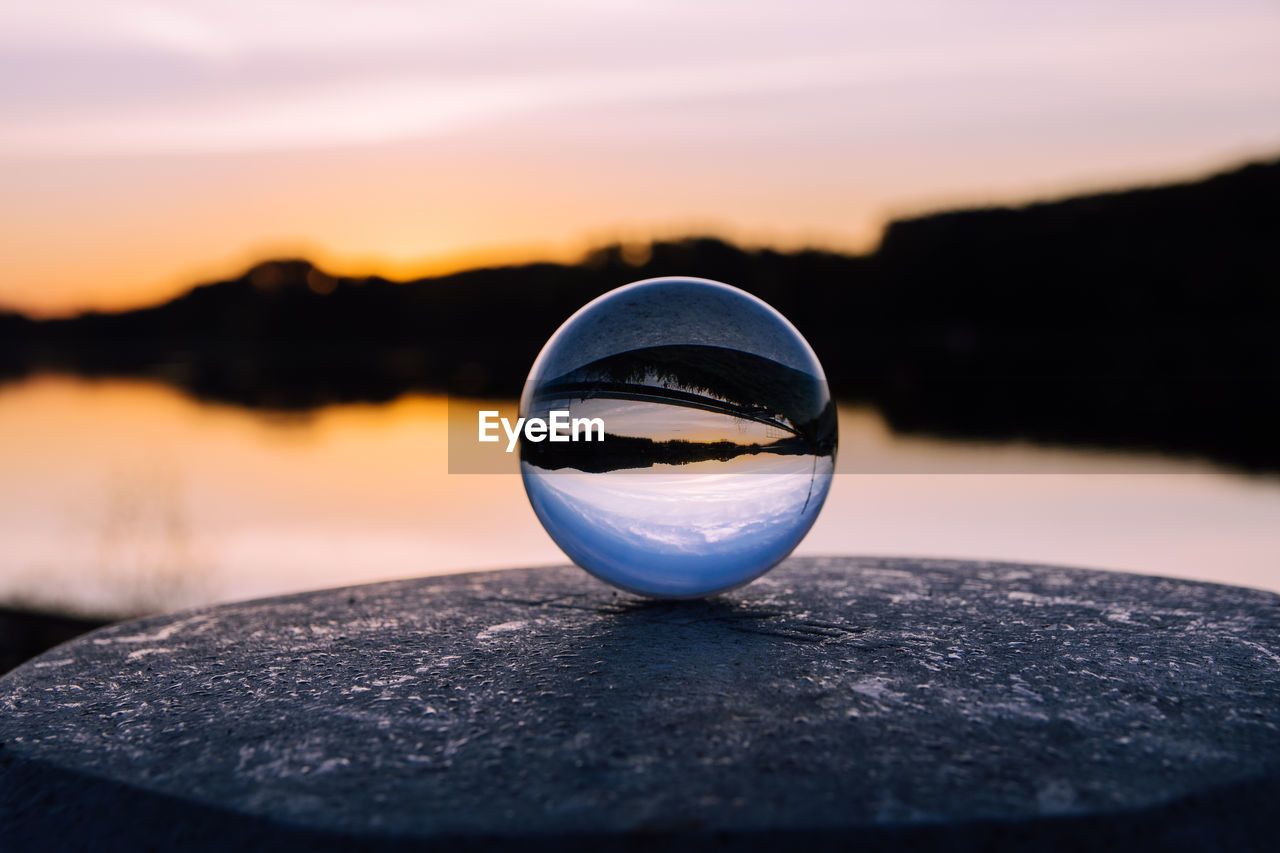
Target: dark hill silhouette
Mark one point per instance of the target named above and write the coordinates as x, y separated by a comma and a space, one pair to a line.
629, 452
1144, 319
714, 379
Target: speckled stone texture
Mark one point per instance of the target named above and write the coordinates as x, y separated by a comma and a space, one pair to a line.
886, 704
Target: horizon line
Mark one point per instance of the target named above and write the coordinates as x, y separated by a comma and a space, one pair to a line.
473, 260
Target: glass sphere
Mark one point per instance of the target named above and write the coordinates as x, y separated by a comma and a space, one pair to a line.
690, 438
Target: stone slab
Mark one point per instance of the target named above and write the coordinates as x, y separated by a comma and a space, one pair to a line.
886, 703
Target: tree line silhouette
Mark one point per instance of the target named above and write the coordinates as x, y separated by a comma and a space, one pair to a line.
1144, 318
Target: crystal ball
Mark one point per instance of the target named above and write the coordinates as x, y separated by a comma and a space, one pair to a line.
679, 437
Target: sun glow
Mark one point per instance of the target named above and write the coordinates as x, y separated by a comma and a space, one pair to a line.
144, 148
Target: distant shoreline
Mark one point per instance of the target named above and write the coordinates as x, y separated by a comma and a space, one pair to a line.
1137, 320
26, 633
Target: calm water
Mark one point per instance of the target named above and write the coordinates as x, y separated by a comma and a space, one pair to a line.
122, 497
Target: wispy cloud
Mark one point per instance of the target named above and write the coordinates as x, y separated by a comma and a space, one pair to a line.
176, 139
308, 75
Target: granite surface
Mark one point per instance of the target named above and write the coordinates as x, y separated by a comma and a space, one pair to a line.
887, 703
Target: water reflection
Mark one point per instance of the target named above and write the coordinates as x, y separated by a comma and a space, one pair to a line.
123, 496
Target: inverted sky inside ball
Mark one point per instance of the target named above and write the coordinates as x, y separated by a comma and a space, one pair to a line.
692, 439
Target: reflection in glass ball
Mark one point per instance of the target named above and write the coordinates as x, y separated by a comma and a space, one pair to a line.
717, 446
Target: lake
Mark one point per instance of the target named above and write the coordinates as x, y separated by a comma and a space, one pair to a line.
122, 497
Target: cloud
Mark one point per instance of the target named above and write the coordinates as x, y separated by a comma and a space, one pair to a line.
142, 78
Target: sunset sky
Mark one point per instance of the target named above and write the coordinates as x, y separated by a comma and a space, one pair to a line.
144, 146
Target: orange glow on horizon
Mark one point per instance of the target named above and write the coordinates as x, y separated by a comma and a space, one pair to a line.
87, 286
113, 272
144, 150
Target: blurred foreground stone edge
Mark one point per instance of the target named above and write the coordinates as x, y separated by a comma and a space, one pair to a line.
45, 805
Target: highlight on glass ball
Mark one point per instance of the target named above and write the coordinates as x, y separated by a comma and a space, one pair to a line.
690, 441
